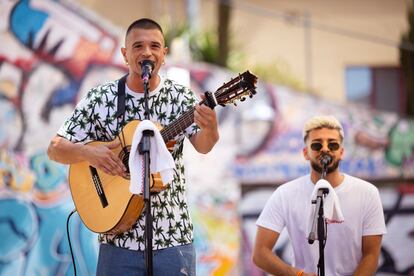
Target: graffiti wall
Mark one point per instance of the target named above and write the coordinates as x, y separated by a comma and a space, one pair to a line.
52, 52
378, 145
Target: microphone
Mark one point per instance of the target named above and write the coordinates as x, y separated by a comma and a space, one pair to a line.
325, 160
146, 68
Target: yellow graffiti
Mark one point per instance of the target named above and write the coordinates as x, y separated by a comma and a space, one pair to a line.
222, 230
8, 88
225, 264
14, 175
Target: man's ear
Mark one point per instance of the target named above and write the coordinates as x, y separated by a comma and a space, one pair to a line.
342, 153
123, 52
305, 153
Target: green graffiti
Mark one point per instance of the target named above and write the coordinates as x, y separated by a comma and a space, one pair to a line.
401, 143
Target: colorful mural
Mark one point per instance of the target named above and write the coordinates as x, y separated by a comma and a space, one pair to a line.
378, 145
35, 203
51, 52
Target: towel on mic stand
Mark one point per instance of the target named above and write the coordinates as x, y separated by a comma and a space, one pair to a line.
331, 208
161, 159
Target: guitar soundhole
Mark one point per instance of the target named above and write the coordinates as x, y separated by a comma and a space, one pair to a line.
124, 156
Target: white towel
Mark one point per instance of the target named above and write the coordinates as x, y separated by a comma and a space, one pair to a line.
161, 159
331, 208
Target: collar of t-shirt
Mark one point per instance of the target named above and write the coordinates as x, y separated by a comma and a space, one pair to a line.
337, 189
151, 93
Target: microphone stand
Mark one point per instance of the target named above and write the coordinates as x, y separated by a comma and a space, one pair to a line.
144, 149
320, 225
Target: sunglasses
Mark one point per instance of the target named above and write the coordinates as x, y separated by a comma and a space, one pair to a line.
332, 146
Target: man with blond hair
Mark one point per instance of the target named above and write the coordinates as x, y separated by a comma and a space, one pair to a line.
353, 246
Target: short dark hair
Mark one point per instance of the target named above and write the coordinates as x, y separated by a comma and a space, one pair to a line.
144, 23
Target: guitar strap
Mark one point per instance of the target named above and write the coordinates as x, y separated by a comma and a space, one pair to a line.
121, 97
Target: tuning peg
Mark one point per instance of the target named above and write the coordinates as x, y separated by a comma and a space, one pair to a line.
235, 104
242, 99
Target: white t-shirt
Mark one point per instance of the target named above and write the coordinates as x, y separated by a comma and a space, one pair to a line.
362, 209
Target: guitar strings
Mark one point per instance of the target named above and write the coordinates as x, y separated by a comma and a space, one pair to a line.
170, 131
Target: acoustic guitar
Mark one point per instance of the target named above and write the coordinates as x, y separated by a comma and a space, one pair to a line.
104, 202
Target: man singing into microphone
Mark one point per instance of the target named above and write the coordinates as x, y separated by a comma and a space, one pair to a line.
96, 118
353, 246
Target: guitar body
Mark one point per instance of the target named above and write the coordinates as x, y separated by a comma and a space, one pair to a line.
123, 208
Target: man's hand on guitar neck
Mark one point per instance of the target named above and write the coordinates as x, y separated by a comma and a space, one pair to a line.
206, 119
99, 156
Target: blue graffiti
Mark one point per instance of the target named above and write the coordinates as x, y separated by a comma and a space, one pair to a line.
35, 226
49, 175
19, 229
25, 22
290, 142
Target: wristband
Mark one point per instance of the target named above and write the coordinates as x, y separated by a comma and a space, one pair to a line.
300, 273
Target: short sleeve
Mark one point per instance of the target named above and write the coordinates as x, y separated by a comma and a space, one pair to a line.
271, 216
191, 100
374, 223
78, 126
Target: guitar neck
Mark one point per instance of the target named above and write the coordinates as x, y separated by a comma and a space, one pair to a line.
237, 88
172, 130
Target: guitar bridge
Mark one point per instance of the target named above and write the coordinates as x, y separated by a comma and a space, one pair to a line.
98, 186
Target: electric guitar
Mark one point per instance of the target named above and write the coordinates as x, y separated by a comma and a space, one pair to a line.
103, 201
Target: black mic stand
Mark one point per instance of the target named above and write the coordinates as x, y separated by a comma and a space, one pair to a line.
144, 149
320, 225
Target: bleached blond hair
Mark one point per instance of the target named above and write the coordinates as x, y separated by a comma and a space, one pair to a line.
325, 121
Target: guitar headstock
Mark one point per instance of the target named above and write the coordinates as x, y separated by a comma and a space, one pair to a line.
239, 88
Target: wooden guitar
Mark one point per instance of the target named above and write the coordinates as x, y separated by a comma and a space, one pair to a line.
103, 201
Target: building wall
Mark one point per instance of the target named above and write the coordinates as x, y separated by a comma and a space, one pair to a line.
270, 38
342, 33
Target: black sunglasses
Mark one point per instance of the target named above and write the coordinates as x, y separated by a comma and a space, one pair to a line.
332, 146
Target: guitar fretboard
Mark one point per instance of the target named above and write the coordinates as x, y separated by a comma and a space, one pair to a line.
173, 129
